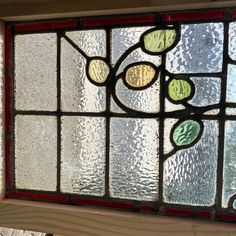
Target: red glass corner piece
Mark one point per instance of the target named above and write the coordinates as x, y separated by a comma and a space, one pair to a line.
46, 26
120, 20
8, 47
193, 16
38, 196
177, 211
226, 216
121, 205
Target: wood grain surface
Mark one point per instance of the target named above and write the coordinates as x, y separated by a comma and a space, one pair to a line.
78, 221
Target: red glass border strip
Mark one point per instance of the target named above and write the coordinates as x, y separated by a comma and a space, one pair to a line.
46, 26
226, 217
118, 20
234, 14
38, 196
193, 16
122, 205
204, 214
177, 211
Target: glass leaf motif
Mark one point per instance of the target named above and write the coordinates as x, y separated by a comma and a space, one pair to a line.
98, 70
139, 76
186, 132
156, 41
179, 90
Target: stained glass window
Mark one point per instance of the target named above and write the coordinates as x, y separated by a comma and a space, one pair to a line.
134, 112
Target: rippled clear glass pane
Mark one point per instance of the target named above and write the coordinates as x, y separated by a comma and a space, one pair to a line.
114, 107
169, 106
200, 49
36, 152
77, 92
168, 125
231, 84
36, 72
134, 158
232, 40
207, 91
92, 42
83, 155
190, 174
124, 38
229, 169
146, 100
230, 111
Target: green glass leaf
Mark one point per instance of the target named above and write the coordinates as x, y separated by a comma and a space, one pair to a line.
159, 40
139, 76
98, 70
186, 132
179, 89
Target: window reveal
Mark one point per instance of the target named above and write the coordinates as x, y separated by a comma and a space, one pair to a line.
135, 114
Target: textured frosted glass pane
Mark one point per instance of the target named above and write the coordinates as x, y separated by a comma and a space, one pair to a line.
207, 91
200, 49
231, 111
146, 100
83, 155
168, 124
229, 170
190, 174
232, 40
212, 112
92, 42
134, 158
36, 152
137, 56
115, 108
77, 92
35, 72
172, 107
231, 84
124, 38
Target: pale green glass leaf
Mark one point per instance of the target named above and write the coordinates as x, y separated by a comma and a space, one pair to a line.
186, 132
179, 89
98, 70
159, 40
139, 76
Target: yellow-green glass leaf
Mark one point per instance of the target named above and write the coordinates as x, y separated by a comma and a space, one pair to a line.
179, 89
186, 132
159, 40
140, 75
98, 70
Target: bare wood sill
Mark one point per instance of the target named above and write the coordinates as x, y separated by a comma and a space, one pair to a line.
76, 221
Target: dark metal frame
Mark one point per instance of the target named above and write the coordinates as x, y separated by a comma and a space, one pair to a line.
107, 23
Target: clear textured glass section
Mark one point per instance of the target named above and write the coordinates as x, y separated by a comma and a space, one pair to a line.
200, 49
83, 155
92, 42
207, 91
190, 174
77, 92
146, 100
36, 72
124, 38
229, 168
231, 84
168, 125
230, 111
232, 40
169, 106
134, 158
36, 152
114, 107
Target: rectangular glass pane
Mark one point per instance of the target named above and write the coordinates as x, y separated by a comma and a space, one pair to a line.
36, 152
190, 174
83, 155
36, 72
134, 158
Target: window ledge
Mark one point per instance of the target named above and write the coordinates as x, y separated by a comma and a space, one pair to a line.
87, 221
